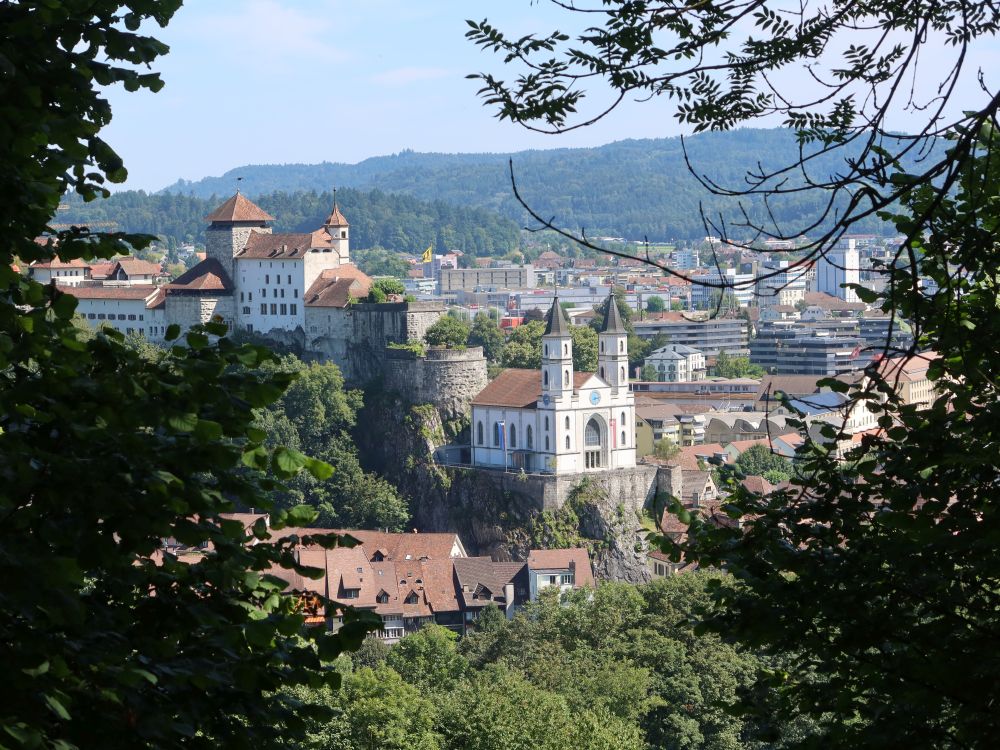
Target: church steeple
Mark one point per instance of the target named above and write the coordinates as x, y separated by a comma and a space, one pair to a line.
612, 348
557, 354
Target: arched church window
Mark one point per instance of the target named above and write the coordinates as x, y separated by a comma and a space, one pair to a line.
546, 442
623, 437
545, 377
496, 434
567, 423
479, 433
546, 350
602, 347
592, 435
566, 378
624, 420
567, 442
623, 373
546, 423
602, 372
566, 350
528, 441
513, 436
621, 346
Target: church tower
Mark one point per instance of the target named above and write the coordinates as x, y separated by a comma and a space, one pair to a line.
339, 230
612, 349
229, 229
557, 355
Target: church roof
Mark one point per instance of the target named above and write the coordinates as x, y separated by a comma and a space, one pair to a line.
335, 219
613, 318
239, 208
207, 276
556, 323
520, 388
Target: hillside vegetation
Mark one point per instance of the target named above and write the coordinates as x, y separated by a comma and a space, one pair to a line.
378, 219
631, 189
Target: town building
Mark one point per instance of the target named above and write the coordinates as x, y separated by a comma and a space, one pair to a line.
837, 269
706, 334
677, 363
473, 279
557, 421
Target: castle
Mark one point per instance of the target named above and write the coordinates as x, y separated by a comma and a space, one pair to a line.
298, 289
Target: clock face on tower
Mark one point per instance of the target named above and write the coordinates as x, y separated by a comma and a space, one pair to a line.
595, 398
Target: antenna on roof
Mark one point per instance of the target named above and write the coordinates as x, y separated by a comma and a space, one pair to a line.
238, 185
335, 197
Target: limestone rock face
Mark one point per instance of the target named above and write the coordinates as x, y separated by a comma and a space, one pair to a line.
496, 513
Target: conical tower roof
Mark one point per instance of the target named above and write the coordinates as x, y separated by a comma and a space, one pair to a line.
613, 317
556, 323
335, 219
239, 208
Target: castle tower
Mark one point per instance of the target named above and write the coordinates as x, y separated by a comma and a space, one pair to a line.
339, 230
612, 349
229, 228
557, 355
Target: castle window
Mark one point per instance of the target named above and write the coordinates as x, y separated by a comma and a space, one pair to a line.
121, 316
284, 309
289, 278
267, 278
528, 441
343, 234
513, 436
479, 433
249, 296
263, 309
295, 292
274, 309
282, 293
294, 309
241, 296
263, 292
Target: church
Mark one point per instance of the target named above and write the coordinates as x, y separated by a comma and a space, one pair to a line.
558, 421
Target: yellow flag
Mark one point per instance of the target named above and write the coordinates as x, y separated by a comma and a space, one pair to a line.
428, 255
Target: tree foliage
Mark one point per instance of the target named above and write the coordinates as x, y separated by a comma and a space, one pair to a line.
448, 331
729, 366
879, 563
105, 452
487, 334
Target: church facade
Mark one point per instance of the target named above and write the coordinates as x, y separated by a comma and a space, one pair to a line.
556, 420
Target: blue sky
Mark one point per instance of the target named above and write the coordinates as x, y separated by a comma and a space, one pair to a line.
277, 81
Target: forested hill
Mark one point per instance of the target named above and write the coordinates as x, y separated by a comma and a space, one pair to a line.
629, 189
396, 221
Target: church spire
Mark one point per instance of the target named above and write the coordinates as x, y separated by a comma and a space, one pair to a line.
335, 219
613, 317
556, 323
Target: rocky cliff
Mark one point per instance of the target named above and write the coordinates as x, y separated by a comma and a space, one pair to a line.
497, 514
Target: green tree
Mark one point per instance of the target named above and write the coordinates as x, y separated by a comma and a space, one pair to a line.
584, 348
524, 346
865, 564
487, 334
382, 288
448, 331
666, 448
760, 459
649, 373
428, 658
380, 710
728, 366
655, 304
109, 639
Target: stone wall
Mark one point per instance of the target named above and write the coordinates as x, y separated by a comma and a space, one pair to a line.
355, 337
447, 378
222, 242
187, 310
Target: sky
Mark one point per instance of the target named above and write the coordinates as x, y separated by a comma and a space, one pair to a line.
284, 81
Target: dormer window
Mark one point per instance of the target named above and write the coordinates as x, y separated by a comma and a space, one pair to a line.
382, 598
412, 598
378, 556
351, 593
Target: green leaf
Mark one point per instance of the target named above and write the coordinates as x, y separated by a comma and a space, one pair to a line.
183, 422
301, 516
173, 332
57, 707
287, 461
208, 430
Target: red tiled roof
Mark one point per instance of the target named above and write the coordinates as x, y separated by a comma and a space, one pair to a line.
207, 276
334, 287
158, 300
335, 219
277, 246
139, 291
560, 559
433, 546
56, 263
519, 388
239, 208
137, 267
